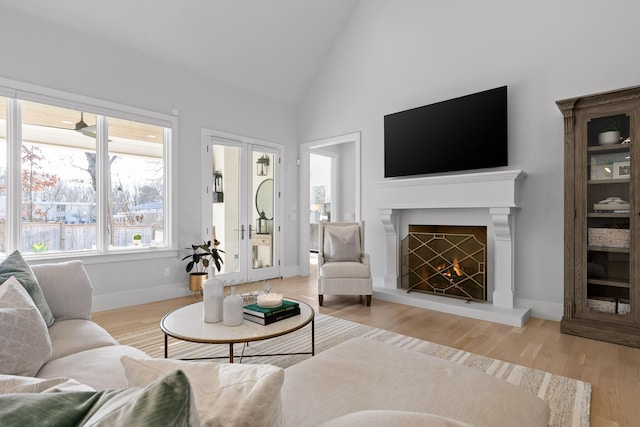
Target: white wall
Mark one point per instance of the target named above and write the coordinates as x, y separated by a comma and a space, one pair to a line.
398, 55
346, 179
54, 57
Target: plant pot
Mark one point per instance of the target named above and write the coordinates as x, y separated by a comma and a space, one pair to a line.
609, 137
196, 281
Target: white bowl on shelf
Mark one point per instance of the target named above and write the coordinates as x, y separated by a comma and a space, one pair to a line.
609, 137
269, 300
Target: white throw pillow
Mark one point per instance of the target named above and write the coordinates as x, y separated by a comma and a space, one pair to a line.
342, 243
24, 339
225, 394
67, 288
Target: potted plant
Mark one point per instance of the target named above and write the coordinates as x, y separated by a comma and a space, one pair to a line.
609, 132
199, 261
38, 248
137, 239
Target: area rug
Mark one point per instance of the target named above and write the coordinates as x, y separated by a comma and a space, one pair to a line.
568, 399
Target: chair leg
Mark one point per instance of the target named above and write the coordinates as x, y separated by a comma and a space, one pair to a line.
368, 299
320, 298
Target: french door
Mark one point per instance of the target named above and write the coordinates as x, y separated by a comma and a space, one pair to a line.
242, 207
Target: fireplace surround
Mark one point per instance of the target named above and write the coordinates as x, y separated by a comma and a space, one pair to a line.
495, 193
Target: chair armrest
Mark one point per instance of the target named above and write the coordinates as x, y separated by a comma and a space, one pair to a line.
320, 262
364, 259
67, 289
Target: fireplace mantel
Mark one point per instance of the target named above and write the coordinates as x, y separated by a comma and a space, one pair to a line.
495, 191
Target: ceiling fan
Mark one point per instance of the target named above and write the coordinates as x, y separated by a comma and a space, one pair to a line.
84, 128
80, 126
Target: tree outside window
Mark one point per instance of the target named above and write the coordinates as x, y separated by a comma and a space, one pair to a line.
60, 180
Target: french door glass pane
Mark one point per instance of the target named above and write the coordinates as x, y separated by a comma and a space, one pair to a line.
263, 210
226, 185
136, 167
58, 179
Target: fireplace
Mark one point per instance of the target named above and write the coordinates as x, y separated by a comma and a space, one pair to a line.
485, 199
445, 260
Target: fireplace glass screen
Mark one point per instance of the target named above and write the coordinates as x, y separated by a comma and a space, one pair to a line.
445, 260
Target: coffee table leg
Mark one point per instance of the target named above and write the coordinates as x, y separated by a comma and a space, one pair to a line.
230, 352
313, 337
166, 346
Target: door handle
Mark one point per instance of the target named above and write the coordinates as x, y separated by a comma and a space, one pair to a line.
250, 231
241, 232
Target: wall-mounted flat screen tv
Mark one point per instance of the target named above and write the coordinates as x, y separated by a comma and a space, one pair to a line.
460, 134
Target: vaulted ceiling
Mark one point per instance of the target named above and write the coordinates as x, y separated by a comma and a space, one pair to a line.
272, 48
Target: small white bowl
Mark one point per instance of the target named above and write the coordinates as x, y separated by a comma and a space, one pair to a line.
269, 300
608, 138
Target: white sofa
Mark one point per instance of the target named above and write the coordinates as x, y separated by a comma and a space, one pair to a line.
358, 382
362, 380
81, 349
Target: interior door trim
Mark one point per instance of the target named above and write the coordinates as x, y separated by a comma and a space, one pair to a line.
303, 199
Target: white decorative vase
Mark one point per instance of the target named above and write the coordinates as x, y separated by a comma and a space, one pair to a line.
609, 137
212, 299
232, 312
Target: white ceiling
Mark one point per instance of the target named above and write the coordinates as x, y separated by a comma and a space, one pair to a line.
272, 48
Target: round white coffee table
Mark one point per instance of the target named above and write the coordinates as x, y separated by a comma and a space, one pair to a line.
186, 324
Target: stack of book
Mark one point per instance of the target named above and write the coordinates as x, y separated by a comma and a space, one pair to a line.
267, 316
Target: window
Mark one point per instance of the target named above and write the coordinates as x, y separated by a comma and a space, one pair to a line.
136, 176
86, 181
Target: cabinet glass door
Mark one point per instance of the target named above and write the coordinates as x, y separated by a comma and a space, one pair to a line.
608, 196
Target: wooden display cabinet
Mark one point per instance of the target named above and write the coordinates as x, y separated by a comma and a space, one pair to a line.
602, 273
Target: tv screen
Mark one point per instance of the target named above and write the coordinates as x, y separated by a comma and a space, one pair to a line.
459, 134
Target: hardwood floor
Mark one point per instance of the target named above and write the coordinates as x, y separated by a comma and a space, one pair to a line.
613, 370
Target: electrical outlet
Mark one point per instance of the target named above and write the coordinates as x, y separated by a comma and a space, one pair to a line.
167, 272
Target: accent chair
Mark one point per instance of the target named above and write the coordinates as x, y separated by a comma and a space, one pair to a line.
343, 266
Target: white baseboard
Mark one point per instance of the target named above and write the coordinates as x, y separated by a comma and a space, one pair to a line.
292, 271
138, 296
156, 293
542, 309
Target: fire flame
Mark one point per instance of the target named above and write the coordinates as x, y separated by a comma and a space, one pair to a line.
454, 271
456, 266
451, 272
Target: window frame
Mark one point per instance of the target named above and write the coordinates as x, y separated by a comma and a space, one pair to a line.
15, 92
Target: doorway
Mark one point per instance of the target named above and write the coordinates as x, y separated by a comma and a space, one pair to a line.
344, 187
242, 206
322, 168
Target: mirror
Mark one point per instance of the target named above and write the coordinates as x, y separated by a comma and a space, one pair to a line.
264, 198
